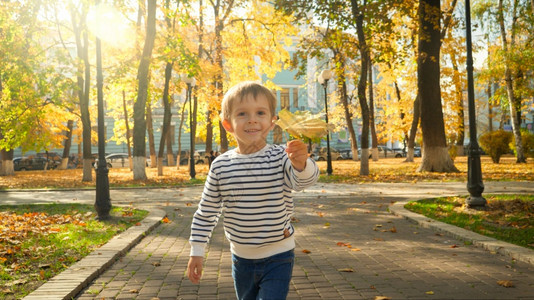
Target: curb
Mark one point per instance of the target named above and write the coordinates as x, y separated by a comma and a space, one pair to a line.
509, 250
70, 282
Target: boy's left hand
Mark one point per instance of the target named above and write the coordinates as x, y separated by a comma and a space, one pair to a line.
297, 152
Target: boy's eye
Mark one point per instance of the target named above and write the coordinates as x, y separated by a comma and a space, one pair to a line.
261, 113
240, 114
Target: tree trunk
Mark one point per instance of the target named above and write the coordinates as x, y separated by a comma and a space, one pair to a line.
128, 137
66, 150
6, 157
490, 109
209, 132
345, 102
413, 128
150, 132
84, 85
514, 102
364, 54
170, 153
179, 155
139, 148
195, 111
460, 104
7, 162
435, 153
219, 77
166, 117
374, 139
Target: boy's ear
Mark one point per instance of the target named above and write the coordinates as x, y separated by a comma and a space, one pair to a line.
273, 122
227, 126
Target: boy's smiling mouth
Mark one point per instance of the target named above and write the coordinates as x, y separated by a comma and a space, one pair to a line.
252, 130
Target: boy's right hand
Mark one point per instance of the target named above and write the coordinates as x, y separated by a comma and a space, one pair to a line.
194, 268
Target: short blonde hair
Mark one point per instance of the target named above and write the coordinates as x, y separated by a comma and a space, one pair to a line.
239, 92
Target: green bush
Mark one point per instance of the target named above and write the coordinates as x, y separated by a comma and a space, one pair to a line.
496, 143
527, 141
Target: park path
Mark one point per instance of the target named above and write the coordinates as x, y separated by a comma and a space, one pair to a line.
388, 255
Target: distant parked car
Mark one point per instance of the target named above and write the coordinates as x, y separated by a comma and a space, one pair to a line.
384, 151
116, 160
51, 155
345, 153
399, 152
417, 151
348, 154
32, 163
322, 153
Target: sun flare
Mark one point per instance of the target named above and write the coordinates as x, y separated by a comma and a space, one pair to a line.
108, 24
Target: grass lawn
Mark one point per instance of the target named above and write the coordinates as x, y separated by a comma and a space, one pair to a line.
39, 241
508, 218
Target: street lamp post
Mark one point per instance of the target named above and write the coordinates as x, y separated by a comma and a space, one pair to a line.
474, 172
102, 202
190, 84
323, 80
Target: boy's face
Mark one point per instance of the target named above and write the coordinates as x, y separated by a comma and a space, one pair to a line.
250, 123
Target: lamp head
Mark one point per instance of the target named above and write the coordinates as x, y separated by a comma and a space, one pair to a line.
326, 74
188, 80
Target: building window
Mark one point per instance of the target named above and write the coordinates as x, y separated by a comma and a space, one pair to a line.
295, 97
284, 99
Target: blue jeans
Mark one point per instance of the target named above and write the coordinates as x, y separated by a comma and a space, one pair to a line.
263, 279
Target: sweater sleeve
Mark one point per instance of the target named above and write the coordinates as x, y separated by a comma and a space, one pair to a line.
206, 216
300, 180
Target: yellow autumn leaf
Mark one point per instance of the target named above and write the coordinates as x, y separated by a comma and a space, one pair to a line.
505, 283
303, 124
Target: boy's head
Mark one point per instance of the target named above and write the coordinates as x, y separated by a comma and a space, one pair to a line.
240, 91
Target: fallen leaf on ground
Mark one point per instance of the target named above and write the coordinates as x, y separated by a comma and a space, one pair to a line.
346, 270
306, 251
355, 249
505, 283
429, 293
166, 220
382, 298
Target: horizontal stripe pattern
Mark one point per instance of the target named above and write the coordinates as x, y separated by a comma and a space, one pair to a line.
254, 194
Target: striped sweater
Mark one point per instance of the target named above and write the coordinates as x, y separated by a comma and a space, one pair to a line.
254, 193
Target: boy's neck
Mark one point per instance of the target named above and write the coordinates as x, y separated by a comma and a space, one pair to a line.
249, 149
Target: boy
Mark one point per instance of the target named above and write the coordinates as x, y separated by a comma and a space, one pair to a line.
253, 184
